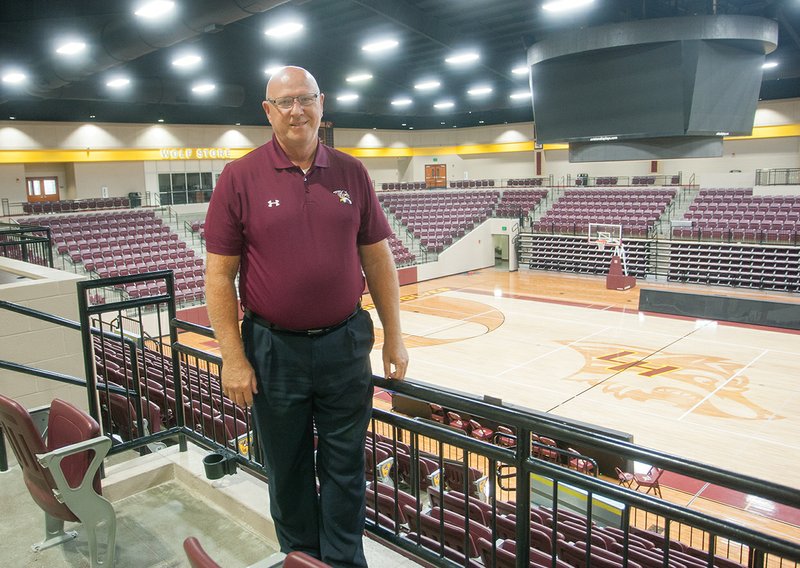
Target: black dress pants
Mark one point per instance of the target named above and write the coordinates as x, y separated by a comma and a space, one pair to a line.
306, 381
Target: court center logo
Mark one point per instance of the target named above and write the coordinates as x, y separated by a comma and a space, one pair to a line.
344, 196
701, 384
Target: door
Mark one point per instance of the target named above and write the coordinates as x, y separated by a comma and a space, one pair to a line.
42, 189
435, 175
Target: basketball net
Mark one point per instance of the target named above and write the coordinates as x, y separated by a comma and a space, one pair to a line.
601, 244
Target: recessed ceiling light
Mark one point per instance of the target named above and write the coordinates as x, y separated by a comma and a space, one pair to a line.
520, 95
118, 82
272, 69
481, 121
238, 124
202, 88
360, 78
478, 91
769, 65
160, 120
381, 45
14, 77
444, 104
91, 116
15, 118
347, 97
522, 70
188, 60
461, 58
411, 128
402, 102
427, 85
70, 48
564, 5
154, 8
403, 124
442, 122
285, 29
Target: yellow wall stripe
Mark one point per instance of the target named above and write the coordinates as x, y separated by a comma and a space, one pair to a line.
161, 154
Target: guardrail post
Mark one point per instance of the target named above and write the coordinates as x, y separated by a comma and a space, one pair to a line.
523, 485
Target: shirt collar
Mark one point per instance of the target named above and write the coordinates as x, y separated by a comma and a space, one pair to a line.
282, 161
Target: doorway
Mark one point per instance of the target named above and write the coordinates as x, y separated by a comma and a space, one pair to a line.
501, 253
40, 189
435, 175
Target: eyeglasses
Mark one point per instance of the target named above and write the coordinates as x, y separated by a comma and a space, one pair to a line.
286, 103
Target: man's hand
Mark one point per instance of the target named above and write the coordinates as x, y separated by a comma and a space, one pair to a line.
394, 354
239, 382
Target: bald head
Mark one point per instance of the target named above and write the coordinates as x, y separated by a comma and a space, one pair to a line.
290, 75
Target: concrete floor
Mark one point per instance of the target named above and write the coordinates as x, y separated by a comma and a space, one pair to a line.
160, 500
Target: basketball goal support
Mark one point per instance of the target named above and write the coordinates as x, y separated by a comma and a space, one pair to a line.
605, 235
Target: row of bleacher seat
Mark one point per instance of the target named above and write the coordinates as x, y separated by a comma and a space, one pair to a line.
450, 518
519, 202
403, 185
636, 210
526, 182
67, 205
575, 254
206, 409
402, 256
438, 218
719, 264
735, 215
471, 183
111, 244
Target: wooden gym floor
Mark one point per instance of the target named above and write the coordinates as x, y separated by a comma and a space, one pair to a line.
718, 393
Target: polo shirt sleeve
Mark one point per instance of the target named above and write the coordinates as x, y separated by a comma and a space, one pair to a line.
374, 226
223, 228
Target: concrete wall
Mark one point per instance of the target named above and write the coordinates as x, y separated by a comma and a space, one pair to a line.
39, 344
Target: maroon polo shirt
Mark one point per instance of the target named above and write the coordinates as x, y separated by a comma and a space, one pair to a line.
297, 234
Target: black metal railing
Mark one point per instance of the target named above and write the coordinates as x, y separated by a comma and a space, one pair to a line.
778, 176
27, 243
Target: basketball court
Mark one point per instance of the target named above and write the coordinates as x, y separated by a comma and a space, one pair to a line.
720, 393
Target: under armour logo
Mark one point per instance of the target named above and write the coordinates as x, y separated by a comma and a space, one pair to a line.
273, 203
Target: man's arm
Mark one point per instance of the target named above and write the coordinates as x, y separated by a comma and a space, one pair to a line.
238, 378
378, 264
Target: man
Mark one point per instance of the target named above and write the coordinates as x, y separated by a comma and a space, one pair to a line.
300, 221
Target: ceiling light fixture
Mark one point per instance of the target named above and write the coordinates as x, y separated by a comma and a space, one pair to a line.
379, 46
478, 91
272, 69
154, 8
118, 82
285, 29
444, 104
770, 65
461, 58
360, 78
14, 77
203, 88
521, 70
347, 97
427, 85
564, 5
70, 48
520, 95
402, 102
189, 60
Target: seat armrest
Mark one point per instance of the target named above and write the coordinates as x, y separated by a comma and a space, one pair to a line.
52, 461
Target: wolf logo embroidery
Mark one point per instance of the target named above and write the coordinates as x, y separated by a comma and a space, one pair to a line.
344, 197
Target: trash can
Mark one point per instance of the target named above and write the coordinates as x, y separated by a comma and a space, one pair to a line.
135, 198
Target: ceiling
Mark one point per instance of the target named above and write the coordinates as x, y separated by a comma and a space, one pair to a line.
229, 36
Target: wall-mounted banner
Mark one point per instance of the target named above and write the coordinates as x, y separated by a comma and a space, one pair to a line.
195, 153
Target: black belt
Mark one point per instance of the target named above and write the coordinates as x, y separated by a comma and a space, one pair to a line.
304, 332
